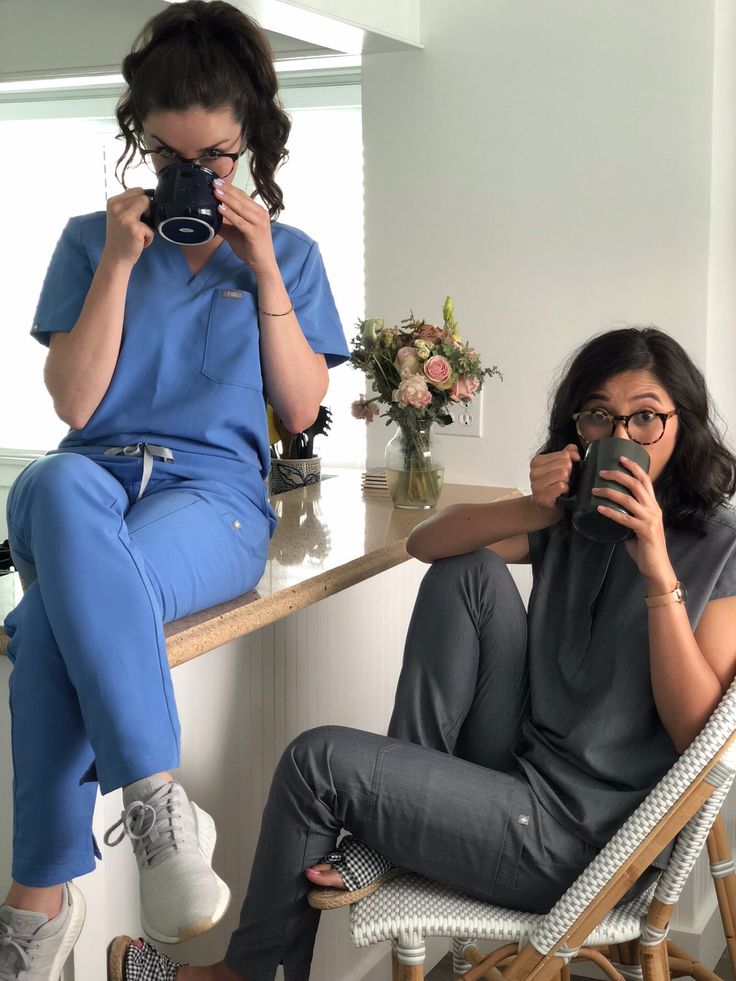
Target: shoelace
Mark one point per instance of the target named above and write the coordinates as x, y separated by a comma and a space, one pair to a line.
22, 944
151, 825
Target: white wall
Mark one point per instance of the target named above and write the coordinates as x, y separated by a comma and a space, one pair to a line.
394, 18
721, 352
549, 166
559, 168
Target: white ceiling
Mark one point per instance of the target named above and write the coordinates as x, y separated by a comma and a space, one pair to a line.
45, 37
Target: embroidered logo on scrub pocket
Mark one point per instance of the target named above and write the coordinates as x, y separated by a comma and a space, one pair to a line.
232, 294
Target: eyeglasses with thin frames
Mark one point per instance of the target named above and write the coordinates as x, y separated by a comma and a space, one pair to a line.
644, 427
217, 161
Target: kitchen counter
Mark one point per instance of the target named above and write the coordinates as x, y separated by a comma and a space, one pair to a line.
330, 536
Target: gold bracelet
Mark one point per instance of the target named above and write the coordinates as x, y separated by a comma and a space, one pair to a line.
267, 314
676, 596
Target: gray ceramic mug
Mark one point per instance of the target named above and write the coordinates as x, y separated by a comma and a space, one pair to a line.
602, 454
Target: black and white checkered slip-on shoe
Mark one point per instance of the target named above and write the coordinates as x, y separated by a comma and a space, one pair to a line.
137, 960
362, 870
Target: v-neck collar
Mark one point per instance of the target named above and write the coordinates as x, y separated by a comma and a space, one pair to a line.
222, 256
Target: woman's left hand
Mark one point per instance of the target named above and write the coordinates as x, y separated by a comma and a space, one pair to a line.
246, 226
648, 548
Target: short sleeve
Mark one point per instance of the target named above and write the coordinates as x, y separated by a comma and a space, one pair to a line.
726, 582
65, 287
537, 547
316, 311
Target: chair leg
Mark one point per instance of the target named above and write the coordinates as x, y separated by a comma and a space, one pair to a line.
655, 962
683, 965
652, 953
604, 961
409, 961
724, 880
460, 965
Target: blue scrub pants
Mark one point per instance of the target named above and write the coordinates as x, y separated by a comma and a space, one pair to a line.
91, 697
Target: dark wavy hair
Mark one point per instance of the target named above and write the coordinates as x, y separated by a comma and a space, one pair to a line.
212, 55
701, 473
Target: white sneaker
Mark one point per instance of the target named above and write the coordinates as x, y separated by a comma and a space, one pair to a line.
173, 841
34, 947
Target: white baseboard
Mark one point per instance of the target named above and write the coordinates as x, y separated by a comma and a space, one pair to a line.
707, 945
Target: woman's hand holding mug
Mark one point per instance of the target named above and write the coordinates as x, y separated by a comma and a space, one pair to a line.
247, 227
126, 235
550, 476
643, 517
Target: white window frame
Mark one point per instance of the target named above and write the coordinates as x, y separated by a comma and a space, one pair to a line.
95, 99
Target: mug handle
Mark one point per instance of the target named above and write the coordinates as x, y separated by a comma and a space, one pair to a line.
146, 216
568, 503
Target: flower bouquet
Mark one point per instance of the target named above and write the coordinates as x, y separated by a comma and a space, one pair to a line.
417, 370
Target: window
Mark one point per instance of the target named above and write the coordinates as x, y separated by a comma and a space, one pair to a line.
64, 165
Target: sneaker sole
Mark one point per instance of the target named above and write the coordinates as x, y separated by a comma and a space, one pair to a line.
207, 835
76, 922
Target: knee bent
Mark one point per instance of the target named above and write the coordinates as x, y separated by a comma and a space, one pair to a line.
482, 560
53, 479
313, 742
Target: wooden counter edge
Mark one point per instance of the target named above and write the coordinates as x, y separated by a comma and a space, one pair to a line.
199, 633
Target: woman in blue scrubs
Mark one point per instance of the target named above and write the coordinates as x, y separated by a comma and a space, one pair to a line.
153, 506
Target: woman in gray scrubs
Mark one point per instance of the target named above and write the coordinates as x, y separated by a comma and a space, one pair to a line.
518, 743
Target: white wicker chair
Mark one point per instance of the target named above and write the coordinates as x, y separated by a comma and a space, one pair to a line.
685, 803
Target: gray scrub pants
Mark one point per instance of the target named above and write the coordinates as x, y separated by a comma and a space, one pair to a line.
439, 795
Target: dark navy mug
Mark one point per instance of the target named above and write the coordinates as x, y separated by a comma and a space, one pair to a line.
183, 206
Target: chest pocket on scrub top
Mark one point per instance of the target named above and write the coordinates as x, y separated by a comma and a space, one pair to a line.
231, 347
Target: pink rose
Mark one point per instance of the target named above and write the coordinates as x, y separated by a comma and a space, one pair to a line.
412, 392
406, 362
439, 371
364, 410
428, 332
463, 389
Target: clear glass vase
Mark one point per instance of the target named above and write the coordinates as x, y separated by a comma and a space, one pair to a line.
414, 470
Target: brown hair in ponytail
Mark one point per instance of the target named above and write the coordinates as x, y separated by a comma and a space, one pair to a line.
212, 55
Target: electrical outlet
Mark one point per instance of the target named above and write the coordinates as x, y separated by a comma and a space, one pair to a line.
467, 419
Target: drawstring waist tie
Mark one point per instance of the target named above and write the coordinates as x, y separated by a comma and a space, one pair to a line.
149, 452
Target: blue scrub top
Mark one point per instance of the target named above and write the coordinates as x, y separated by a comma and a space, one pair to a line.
188, 375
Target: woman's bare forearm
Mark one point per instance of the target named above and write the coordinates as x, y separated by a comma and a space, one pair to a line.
690, 671
463, 528
81, 363
685, 685
295, 378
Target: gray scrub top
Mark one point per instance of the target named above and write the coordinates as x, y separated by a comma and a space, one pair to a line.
593, 745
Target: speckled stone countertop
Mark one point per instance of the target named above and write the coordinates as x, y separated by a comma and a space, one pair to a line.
329, 536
